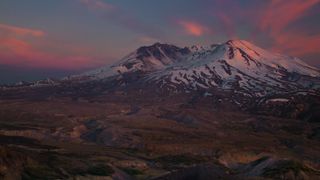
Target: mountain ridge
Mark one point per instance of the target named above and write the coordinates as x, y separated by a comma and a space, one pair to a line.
173, 51
236, 65
229, 75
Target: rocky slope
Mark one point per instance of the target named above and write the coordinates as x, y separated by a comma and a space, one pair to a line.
236, 65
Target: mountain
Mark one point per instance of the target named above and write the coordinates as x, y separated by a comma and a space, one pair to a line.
227, 111
151, 58
235, 65
145, 59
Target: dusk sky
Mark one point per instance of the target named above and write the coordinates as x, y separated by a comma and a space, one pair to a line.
54, 38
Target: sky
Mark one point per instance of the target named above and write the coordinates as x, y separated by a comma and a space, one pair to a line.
56, 38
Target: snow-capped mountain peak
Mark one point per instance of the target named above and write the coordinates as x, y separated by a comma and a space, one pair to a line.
255, 55
235, 64
150, 58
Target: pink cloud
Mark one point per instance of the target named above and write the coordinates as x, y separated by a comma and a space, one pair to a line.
279, 14
22, 53
21, 31
272, 20
193, 28
275, 20
297, 44
21, 47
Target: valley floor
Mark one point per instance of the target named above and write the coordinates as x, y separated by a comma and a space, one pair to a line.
133, 137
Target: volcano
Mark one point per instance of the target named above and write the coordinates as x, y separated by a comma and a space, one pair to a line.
235, 65
226, 111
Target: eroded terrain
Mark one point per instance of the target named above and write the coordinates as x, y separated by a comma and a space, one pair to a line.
130, 136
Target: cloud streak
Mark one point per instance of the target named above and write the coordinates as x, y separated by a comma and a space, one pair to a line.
297, 44
21, 31
277, 24
273, 20
21, 47
279, 14
276, 19
193, 28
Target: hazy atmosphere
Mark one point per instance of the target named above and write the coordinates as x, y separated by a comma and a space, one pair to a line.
42, 38
159, 90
